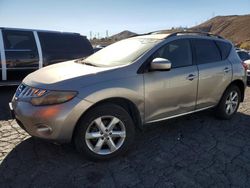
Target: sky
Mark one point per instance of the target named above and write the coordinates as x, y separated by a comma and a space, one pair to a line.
140, 16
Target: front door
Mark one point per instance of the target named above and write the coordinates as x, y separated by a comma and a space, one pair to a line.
21, 53
173, 92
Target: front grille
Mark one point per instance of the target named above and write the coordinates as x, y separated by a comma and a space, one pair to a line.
19, 90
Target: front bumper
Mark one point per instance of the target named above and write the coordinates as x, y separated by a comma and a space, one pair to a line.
52, 122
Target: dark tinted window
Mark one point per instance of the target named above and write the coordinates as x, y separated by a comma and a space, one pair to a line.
18, 40
178, 52
21, 53
65, 42
225, 48
243, 55
59, 47
206, 51
20, 49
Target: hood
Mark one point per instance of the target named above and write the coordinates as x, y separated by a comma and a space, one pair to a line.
63, 73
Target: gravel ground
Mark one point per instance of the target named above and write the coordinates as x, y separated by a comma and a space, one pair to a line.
193, 151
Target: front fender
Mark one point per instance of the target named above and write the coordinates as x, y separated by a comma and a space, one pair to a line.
131, 88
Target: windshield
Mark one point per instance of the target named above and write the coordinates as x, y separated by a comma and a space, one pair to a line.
122, 52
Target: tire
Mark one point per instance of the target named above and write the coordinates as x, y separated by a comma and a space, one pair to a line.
222, 111
93, 139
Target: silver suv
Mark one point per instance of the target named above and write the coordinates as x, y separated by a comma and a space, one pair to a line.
98, 102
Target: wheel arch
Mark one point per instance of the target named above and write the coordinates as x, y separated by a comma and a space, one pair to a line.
128, 105
240, 84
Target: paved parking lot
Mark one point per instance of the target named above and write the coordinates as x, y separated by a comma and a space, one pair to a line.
193, 151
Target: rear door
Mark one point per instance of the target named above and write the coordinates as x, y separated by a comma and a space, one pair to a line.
215, 71
20, 52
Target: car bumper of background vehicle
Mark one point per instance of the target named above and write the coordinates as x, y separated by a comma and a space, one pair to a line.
248, 78
52, 122
12, 114
248, 81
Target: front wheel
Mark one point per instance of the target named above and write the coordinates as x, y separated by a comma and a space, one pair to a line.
104, 132
229, 103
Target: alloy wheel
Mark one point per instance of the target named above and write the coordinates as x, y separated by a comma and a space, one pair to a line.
231, 102
105, 135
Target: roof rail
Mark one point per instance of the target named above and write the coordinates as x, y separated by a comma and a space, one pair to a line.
149, 33
157, 32
195, 32
180, 32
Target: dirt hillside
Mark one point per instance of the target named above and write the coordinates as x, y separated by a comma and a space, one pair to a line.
235, 28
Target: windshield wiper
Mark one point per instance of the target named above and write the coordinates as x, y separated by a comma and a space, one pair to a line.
87, 63
81, 60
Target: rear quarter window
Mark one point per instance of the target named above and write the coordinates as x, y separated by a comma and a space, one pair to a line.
225, 48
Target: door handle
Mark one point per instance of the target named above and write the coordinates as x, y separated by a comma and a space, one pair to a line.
226, 69
191, 77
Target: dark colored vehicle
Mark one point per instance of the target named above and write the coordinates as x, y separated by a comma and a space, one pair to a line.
245, 56
23, 51
98, 47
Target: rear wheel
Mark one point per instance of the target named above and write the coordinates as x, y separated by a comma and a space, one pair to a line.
104, 132
229, 103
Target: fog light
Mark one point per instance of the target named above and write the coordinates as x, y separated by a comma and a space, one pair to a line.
43, 129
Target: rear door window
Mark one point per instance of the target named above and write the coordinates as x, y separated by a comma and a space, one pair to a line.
59, 47
206, 51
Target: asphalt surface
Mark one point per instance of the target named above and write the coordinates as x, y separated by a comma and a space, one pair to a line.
193, 151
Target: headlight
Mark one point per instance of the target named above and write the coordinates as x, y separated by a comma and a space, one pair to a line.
44, 97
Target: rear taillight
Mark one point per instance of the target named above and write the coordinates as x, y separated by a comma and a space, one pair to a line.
244, 65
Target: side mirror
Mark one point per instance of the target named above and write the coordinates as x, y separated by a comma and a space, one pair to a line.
160, 64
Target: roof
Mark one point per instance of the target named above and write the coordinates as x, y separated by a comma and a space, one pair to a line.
39, 30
